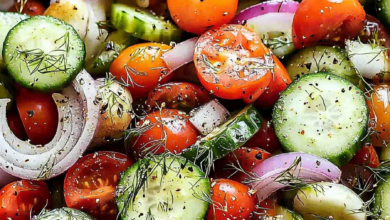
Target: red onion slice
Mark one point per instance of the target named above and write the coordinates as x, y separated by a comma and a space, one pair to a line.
78, 120
269, 175
181, 54
263, 8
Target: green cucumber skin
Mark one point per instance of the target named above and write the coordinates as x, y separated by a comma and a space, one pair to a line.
9, 53
180, 173
382, 198
327, 59
125, 18
231, 137
383, 11
338, 159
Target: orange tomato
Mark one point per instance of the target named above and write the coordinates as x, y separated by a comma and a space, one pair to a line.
199, 16
140, 68
233, 63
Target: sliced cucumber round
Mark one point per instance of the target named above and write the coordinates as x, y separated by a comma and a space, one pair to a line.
163, 187
63, 213
143, 24
226, 138
322, 59
330, 201
382, 198
43, 53
322, 114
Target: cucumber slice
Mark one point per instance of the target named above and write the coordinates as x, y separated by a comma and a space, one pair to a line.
322, 114
7, 21
163, 187
109, 51
382, 198
142, 24
329, 199
43, 53
383, 11
322, 59
226, 138
63, 213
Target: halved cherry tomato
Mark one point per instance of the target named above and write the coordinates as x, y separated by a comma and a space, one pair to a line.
233, 63
379, 115
31, 8
367, 156
357, 177
21, 198
168, 129
231, 200
265, 138
141, 68
199, 16
39, 115
266, 208
327, 22
278, 84
15, 124
182, 96
90, 183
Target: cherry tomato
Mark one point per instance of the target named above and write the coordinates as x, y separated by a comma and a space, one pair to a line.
357, 178
374, 30
186, 73
233, 63
379, 117
168, 129
39, 115
231, 200
327, 22
199, 16
21, 198
367, 156
141, 68
183, 96
266, 208
16, 125
31, 8
278, 84
90, 183
265, 138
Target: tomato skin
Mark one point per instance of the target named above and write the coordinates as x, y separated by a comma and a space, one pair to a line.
233, 63
327, 22
199, 16
94, 178
367, 156
31, 8
266, 208
371, 26
278, 84
265, 138
169, 129
39, 115
357, 176
16, 125
183, 96
144, 66
231, 200
379, 117
18, 198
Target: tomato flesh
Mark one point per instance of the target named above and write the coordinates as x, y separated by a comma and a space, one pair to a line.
233, 63
90, 183
367, 156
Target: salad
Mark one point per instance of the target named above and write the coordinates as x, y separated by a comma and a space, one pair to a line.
194, 109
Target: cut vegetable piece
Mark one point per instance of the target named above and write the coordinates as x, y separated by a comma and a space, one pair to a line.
370, 60
322, 114
209, 116
7, 21
163, 187
226, 138
329, 200
78, 121
181, 54
142, 24
109, 51
322, 59
285, 214
43, 53
62, 213
382, 198
382, 10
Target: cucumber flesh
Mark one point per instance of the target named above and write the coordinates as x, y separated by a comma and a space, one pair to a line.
142, 24
43, 53
329, 200
285, 214
224, 139
116, 42
7, 21
63, 213
322, 114
163, 187
322, 59
382, 198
